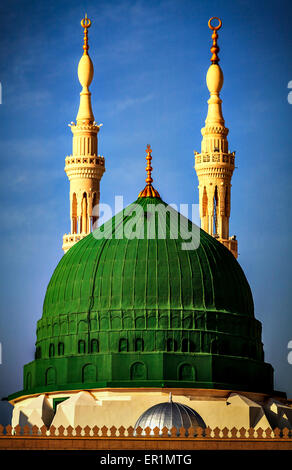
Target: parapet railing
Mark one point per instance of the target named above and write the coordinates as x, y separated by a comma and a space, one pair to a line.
131, 432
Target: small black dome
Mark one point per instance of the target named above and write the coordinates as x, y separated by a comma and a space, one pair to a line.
169, 414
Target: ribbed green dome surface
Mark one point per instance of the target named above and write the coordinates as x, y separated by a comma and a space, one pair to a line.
130, 306
108, 274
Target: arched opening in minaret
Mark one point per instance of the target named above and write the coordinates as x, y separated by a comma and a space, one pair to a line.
204, 216
94, 211
204, 202
84, 215
226, 202
74, 213
215, 213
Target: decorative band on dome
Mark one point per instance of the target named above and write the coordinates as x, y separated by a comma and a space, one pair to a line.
149, 191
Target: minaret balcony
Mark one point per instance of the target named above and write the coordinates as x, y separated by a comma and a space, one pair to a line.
89, 166
231, 244
70, 239
214, 157
84, 160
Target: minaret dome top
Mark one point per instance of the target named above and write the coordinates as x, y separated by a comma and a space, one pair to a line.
214, 76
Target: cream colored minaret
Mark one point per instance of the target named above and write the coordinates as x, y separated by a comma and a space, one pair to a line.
84, 167
215, 164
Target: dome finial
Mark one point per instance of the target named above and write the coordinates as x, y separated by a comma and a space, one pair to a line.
85, 23
85, 75
149, 191
215, 48
149, 168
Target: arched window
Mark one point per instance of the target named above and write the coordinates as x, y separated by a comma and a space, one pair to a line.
151, 320
94, 346
128, 322
84, 214
138, 371
224, 347
140, 322
226, 202
61, 349
192, 346
116, 323
95, 211
104, 323
139, 344
185, 345
82, 326
38, 352
204, 202
214, 346
216, 210
81, 346
163, 321
123, 345
186, 372
55, 329
28, 381
51, 350
171, 345
89, 373
50, 376
74, 213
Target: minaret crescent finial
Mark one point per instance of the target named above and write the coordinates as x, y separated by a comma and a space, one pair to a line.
85, 75
85, 23
215, 48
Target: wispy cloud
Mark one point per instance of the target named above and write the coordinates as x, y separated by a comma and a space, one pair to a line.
121, 105
31, 149
29, 99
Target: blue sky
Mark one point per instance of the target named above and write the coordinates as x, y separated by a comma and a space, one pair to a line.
150, 60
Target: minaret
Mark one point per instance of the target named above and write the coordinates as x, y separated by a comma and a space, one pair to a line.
84, 167
215, 164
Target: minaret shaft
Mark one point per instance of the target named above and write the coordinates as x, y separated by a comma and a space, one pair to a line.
215, 164
84, 167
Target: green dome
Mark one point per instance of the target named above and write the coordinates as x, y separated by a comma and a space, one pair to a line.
110, 274
130, 306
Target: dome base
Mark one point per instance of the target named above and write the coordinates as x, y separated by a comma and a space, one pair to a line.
123, 406
153, 369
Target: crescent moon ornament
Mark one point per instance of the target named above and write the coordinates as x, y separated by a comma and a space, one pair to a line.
214, 28
85, 22
215, 48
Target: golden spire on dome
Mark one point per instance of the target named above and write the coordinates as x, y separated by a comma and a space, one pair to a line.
85, 23
149, 191
215, 48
